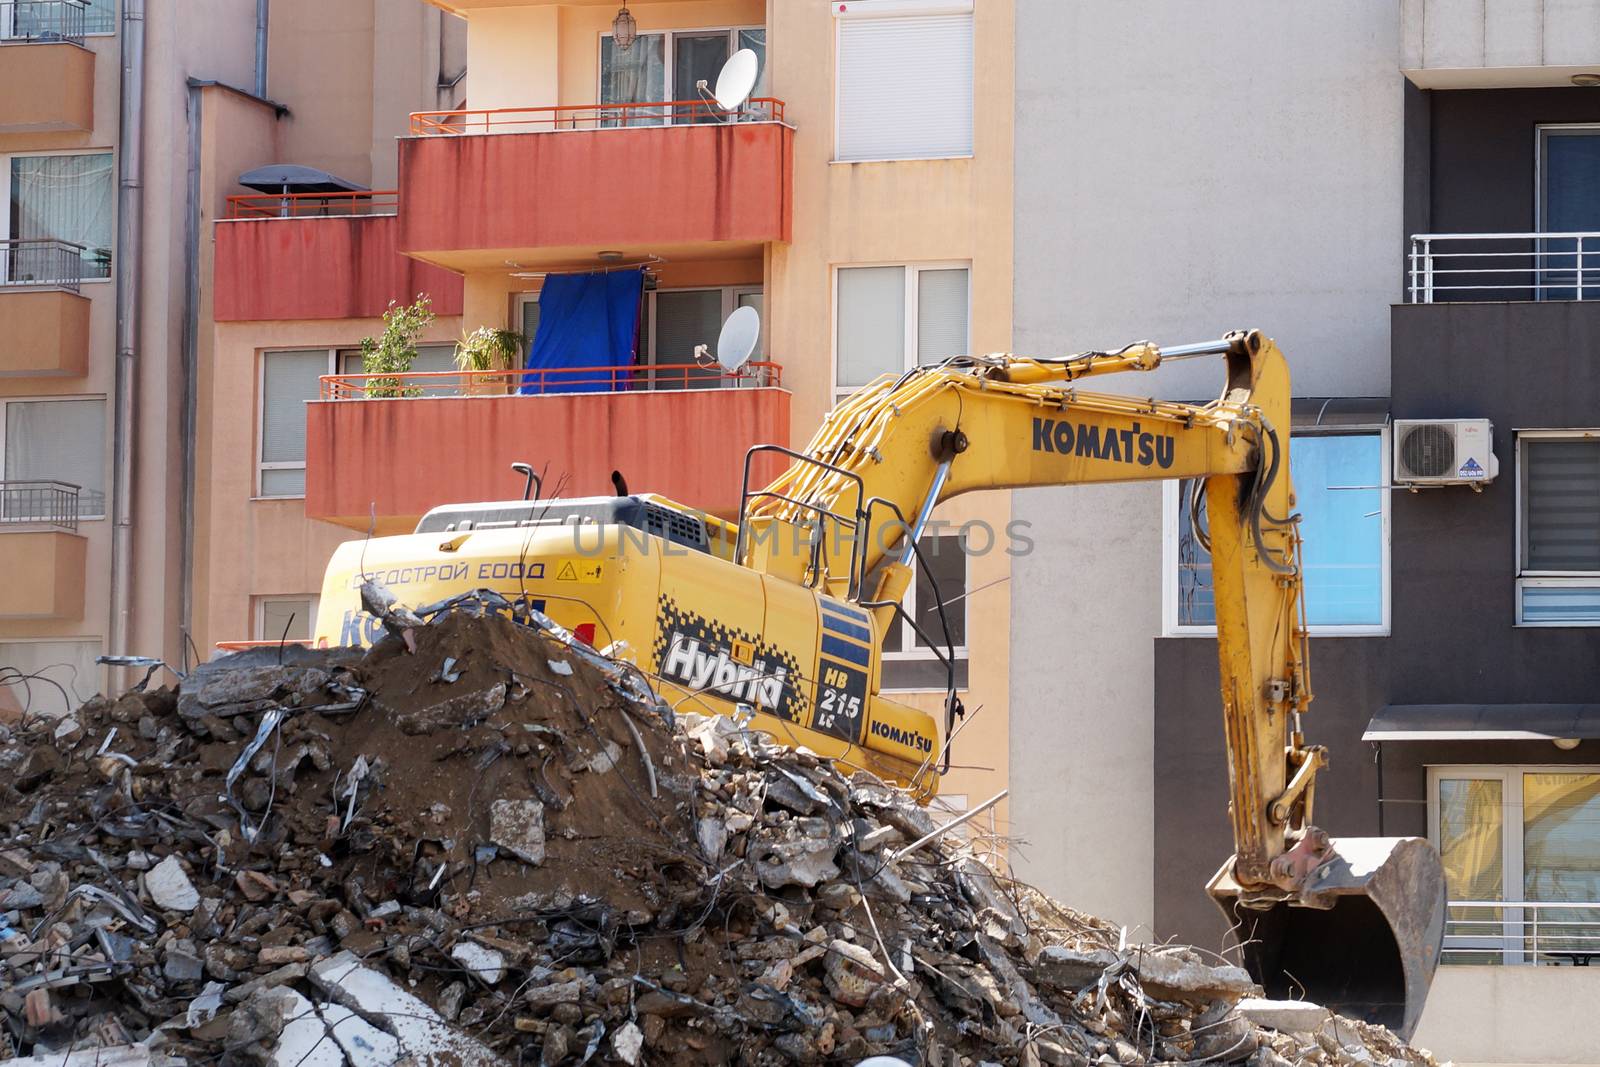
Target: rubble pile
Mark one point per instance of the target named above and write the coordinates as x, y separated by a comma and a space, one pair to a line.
483, 843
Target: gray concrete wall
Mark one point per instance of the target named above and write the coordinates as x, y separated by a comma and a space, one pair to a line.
1181, 170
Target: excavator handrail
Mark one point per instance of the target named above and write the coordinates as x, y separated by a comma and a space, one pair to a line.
746, 494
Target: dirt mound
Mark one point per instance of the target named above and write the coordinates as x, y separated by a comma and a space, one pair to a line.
484, 842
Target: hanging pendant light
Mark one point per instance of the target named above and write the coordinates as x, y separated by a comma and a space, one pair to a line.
624, 28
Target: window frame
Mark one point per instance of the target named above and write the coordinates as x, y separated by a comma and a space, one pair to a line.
5, 194
890, 9
730, 302
332, 367
1541, 132
908, 348
1528, 578
258, 613
7, 25
667, 63
1171, 627
909, 649
5, 408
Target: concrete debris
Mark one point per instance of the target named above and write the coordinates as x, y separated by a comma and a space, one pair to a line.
482, 843
1287, 1016
170, 888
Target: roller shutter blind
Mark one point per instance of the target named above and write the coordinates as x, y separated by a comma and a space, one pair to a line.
1561, 505
941, 314
904, 87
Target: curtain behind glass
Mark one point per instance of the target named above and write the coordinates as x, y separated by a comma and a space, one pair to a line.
1471, 844
638, 75
1561, 856
62, 441
697, 57
756, 41
67, 198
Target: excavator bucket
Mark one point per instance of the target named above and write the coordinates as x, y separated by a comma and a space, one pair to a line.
1365, 942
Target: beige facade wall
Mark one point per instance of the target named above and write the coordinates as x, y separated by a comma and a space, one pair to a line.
844, 214
1510, 1016
905, 212
257, 547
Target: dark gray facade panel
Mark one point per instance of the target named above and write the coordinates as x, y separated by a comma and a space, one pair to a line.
1348, 675
1481, 168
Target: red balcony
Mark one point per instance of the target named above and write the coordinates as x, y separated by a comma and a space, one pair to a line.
319, 256
547, 186
401, 444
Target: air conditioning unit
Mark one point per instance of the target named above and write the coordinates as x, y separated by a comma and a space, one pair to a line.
1444, 452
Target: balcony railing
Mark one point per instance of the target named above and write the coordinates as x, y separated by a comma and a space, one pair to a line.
48, 503
45, 21
302, 205
1481, 267
591, 116
1521, 932
646, 378
41, 261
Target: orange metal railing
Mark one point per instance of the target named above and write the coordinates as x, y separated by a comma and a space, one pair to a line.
591, 116
298, 205
448, 383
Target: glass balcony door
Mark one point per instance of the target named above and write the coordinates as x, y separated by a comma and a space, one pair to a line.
1569, 204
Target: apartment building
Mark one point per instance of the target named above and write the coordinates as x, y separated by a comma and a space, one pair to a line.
114, 115
860, 200
1402, 197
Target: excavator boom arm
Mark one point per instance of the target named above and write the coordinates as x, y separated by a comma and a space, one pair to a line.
893, 451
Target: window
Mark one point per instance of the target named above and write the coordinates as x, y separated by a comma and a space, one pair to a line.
680, 319
46, 20
910, 661
60, 197
669, 66
289, 379
1344, 529
1558, 536
1523, 835
48, 677
904, 81
1569, 202
56, 441
289, 618
527, 318
889, 319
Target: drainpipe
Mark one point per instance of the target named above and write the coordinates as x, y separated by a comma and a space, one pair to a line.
191, 361
130, 227
261, 47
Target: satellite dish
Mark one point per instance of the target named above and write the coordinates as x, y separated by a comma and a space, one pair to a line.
738, 339
736, 80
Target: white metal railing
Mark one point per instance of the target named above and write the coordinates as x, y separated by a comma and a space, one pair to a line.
1459, 267
1542, 933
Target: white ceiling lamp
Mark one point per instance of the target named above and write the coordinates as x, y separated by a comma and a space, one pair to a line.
624, 29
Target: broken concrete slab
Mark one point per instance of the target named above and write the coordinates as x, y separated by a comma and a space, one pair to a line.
114, 1056
484, 964
1173, 976
169, 887
518, 827
419, 1029
1285, 1016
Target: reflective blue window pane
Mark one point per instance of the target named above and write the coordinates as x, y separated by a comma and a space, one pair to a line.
1341, 527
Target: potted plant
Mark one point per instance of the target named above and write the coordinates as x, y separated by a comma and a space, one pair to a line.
395, 350
486, 349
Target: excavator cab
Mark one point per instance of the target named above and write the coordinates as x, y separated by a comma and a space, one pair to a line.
1362, 939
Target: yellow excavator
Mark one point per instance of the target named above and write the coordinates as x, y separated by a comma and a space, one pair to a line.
779, 618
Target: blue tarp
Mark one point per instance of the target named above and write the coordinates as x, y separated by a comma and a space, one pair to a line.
585, 320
